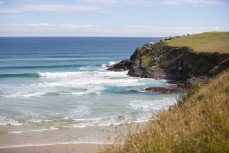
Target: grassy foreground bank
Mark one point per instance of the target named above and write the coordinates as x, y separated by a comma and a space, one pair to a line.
198, 123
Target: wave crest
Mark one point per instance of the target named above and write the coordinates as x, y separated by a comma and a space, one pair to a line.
20, 75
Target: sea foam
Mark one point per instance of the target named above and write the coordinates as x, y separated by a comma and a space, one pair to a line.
150, 105
70, 83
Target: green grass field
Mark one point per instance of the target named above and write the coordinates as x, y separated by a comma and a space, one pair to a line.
204, 42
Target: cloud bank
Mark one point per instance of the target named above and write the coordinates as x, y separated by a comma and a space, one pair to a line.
88, 5
180, 2
44, 8
45, 29
109, 17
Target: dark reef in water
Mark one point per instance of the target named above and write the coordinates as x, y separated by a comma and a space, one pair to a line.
180, 65
163, 90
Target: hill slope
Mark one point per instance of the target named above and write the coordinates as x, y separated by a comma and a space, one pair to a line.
204, 42
199, 123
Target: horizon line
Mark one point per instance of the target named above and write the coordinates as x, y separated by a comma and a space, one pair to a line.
83, 36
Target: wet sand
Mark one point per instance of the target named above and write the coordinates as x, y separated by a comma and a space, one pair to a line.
57, 148
83, 140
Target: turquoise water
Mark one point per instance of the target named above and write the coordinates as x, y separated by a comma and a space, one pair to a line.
62, 83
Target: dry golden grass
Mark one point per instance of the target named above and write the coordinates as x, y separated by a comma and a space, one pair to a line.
198, 123
204, 42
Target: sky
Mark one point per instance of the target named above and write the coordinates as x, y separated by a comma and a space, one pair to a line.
112, 18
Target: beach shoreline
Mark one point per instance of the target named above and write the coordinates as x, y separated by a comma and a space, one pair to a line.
56, 148
80, 140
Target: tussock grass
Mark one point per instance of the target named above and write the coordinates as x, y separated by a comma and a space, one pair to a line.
204, 42
198, 123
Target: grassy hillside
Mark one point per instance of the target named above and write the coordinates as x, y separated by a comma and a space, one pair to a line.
198, 123
205, 54
204, 42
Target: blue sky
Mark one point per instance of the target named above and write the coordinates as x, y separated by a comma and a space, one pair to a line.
150, 18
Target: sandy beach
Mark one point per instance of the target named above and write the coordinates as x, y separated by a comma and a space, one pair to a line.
56, 148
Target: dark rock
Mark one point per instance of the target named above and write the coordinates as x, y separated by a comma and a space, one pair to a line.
162, 90
178, 83
148, 72
135, 71
121, 66
154, 72
186, 84
133, 91
195, 80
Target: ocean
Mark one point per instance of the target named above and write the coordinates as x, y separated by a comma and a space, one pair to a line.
52, 85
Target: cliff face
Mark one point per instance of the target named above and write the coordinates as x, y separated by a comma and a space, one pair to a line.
161, 61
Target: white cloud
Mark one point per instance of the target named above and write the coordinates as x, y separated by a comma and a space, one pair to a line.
36, 25
90, 5
49, 8
140, 2
180, 2
113, 2
124, 17
45, 29
110, 2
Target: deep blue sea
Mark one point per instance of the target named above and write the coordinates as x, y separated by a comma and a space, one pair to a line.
62, 83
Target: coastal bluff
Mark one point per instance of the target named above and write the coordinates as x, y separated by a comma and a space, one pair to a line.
183, 61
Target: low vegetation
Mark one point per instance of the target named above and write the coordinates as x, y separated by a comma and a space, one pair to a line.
198, 123
204, 42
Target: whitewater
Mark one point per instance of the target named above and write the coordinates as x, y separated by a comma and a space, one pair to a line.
61, 85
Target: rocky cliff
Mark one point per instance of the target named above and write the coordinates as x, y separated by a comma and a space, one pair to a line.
160, 61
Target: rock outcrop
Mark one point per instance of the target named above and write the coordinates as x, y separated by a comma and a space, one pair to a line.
121, 66
160, 61
163, 90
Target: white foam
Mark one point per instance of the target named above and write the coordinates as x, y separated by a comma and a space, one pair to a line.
87, 68
36, 130
79, 126
83, 125
142, 120
35, 121
60, 143
97, 122
104, 66
147, 105
26, 95
109, 64
13, 122
78, 111
38, 121
60, 74
87, 119
88, 82
15, 132
81, 74
40, 130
